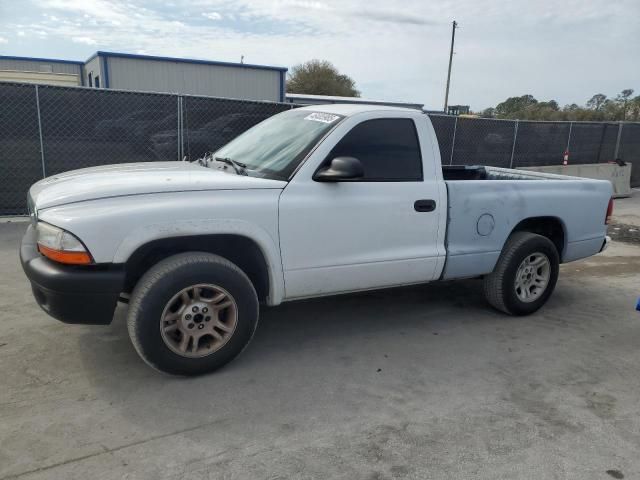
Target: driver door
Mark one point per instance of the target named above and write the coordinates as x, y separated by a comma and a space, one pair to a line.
365, 233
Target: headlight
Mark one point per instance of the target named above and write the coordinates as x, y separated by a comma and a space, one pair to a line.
60, 245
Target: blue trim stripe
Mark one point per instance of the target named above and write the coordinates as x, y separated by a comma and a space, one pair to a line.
38, 59
185, 60
105, 71
283, 83
90, 58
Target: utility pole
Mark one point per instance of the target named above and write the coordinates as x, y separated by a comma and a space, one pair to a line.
453, 39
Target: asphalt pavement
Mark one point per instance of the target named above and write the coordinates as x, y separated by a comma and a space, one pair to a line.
421, 382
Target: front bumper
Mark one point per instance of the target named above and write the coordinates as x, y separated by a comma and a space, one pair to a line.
71, 294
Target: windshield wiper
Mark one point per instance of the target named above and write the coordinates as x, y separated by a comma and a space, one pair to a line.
240, 168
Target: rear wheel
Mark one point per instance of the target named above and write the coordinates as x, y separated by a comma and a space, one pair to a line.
525, 275
192, 313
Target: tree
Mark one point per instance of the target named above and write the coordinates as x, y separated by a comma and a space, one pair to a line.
598, 108
625, 94
634, 109
622, 99
320, 77
489, 112
513, 107
597, 101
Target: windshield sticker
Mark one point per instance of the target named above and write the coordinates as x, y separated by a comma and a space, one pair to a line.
322, 117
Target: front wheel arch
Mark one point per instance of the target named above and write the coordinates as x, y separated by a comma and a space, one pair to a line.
154, 294
238, 249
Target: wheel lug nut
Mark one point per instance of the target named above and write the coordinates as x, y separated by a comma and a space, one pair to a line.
205, 310
207, 319
200, 327
194, 309
187, 317
191, 325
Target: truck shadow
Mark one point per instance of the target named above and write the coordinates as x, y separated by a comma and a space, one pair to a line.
287, 331
376, 313
350, 352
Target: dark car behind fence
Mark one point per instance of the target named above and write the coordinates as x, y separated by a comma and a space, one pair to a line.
46, 130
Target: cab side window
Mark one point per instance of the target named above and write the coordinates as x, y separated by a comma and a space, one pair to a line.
388, 149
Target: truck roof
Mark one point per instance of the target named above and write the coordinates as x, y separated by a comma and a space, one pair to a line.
352, 109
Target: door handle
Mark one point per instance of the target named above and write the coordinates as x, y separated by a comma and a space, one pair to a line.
424, 205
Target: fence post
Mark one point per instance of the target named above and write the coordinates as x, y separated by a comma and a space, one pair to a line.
615, 155
513, 146
453, 140
569, 139
44, 170
179, 132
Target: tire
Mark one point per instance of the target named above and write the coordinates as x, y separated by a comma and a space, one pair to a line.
217, 332
502, 289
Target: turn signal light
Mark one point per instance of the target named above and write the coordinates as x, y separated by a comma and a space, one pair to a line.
60, 256
61, 246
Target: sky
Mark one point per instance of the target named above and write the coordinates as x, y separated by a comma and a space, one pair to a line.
565, 50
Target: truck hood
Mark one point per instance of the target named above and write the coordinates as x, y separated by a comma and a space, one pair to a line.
136, 179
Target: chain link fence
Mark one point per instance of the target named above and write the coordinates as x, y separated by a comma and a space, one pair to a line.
210, 123
524, 143
20, 147
46, 130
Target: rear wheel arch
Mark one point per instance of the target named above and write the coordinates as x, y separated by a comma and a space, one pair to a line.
238, 249
550, 227
514, 272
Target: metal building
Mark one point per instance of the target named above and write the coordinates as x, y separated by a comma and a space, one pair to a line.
304, 99
41, 70
124, 71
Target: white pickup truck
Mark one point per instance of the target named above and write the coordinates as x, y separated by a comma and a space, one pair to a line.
314, 201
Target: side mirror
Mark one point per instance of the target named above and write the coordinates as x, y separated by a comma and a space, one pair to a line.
340, 168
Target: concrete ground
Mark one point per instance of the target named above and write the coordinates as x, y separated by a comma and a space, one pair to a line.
421, 382
627, 210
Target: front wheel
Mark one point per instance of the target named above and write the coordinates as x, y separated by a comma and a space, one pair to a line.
192, 313
525, 276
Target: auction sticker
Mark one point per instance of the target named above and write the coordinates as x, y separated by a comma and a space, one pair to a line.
322, 117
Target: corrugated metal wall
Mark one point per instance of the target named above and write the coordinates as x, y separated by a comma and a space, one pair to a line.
194, 79
61, 79
93, 66
40, 66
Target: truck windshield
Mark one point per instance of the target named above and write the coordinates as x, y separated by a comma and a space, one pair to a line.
275, 147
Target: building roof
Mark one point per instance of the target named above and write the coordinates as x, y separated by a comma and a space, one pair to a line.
347, 109
301, 97
100, 53
146, 57
38, 59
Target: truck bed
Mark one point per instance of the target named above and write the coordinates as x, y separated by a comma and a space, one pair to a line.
486, 204
479, 172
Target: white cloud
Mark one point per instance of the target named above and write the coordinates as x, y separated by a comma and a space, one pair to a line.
212, 15
84, 40
3, 41
392, 50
